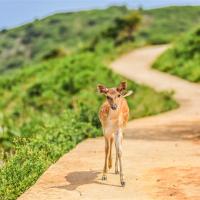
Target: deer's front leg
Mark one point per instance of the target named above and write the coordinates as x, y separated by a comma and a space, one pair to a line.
118, 142
104, 177
116, 160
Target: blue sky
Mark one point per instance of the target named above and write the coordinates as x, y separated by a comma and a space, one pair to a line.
17, 12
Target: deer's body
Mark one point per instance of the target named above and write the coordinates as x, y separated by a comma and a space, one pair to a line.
113, 115
113, 120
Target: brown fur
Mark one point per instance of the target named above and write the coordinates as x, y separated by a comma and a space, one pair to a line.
124, 112
113, 115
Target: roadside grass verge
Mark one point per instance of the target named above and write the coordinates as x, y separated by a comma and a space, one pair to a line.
183, 58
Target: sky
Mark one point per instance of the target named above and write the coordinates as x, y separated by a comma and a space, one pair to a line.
17, 12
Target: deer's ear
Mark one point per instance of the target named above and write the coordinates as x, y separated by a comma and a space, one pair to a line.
122, 86
102, 89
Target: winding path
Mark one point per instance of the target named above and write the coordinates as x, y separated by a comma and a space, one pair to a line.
161, 153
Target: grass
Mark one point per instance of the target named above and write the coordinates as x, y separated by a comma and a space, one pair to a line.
71, 32
165, 25
183, 58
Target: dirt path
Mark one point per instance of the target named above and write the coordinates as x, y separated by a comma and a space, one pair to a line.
161, 154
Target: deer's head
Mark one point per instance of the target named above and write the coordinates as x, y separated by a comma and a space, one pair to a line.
113, 95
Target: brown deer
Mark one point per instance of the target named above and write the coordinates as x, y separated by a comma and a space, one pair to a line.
113, 115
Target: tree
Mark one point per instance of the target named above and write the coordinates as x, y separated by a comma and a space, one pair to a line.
124, 28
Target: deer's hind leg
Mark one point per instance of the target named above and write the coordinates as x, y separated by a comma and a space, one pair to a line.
110, 153
116, 160
105, 169
118, 145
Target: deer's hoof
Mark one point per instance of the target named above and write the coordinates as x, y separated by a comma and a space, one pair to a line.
104, 178
116, 172
123, 183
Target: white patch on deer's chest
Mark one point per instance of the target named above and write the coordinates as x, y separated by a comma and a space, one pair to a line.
112, 123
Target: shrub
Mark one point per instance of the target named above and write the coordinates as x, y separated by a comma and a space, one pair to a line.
32, 157
55, 53
183, 59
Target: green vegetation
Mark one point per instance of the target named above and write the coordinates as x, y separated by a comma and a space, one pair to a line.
54, 137
71, 32
123, 28
163, 25
53, 86
53, 106
50, 103
183, 59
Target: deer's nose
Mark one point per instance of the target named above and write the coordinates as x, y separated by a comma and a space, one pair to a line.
114, 107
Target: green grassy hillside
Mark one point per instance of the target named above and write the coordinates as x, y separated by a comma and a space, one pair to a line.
183, 58
57, 34
62, 34
164, 25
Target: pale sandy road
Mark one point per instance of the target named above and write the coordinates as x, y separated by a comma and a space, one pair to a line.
161, 156
137, 66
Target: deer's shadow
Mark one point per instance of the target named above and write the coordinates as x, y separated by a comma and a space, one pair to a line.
78, 178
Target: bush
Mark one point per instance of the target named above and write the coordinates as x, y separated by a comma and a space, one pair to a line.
32, 157
55, 53
183, 59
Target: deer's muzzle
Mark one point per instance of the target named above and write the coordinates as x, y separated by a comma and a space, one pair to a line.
114, 106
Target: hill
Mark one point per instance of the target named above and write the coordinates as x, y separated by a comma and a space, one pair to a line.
65, 33
164, 25
183, 59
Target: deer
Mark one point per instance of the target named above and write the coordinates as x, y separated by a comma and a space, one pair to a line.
113, 115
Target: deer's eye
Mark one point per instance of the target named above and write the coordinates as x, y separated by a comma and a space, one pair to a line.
119, 95
108, 97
